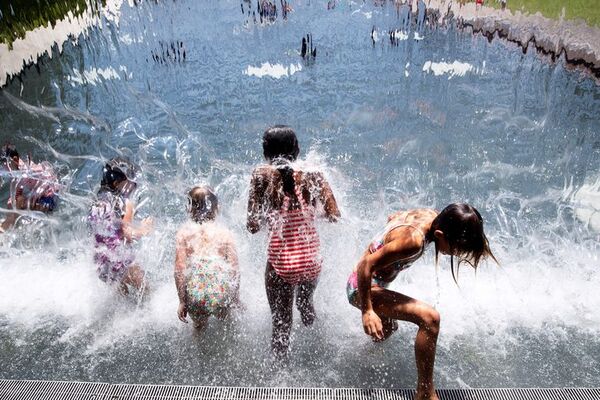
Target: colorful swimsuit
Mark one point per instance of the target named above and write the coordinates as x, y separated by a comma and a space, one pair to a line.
400, 265
38, 184
112, 254
293, 248
212, 286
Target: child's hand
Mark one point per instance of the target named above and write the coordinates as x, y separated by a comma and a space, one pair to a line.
372, 325
182, 312
253, 226
147, 226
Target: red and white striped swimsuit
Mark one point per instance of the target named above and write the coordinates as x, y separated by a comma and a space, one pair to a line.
294, 243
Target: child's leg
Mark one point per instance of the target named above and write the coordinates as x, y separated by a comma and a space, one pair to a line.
200, 321
304, 302
281, 300
223, 313
387, 303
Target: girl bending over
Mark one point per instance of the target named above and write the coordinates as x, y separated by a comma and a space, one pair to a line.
457, 231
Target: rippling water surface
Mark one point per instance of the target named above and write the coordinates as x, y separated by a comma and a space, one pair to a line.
448, 117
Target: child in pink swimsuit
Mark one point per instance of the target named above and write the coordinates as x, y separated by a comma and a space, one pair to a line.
287, 200
456, 231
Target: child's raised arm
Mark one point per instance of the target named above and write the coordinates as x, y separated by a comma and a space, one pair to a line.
326, 196
255, 201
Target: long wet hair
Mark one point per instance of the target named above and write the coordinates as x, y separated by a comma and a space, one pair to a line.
280, 148
462, 227
203, 204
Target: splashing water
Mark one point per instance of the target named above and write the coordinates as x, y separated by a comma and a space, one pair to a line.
519, 142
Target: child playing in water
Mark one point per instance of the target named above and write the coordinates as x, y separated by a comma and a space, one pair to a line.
34, 187
111, 221
456, 231
206, 263
287, 200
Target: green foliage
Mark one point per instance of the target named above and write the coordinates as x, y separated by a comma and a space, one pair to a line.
20, 16
587, 10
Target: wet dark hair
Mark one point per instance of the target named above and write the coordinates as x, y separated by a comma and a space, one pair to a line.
203, 204
115, 171
462, 227
280, 147
9, 152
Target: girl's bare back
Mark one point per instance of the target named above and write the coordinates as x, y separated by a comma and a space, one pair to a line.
419, 218
206, 240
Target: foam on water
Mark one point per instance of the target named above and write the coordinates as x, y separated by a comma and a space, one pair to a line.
452, 69
94, 75
276, 71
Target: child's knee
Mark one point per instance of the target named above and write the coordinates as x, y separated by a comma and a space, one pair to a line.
430, 319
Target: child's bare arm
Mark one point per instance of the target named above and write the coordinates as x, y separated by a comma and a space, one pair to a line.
231, 254
255, 201
180, 265
332, 211
130, 231
396, 250
227, 249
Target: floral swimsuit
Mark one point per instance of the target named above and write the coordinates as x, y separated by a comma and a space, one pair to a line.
212, 285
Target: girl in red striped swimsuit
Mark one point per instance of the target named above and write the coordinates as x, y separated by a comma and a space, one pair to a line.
288, 201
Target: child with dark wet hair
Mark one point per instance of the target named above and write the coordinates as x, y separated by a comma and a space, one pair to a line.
287, 200
206, 264
111, 221
33, 187
457, 231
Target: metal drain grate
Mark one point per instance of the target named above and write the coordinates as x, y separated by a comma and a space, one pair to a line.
54, 390
51, 390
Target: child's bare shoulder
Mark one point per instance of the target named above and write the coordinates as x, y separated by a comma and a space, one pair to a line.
226, 234
187, 230
264, 170
425, 213
313, 178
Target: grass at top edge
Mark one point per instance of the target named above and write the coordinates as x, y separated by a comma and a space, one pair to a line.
20, 16
586, 10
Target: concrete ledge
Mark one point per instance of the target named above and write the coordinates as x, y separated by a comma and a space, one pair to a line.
55, 390
578, 42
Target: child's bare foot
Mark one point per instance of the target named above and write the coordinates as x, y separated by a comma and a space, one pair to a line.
426, 392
